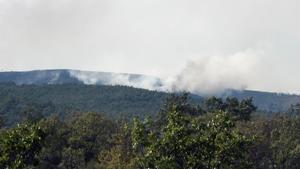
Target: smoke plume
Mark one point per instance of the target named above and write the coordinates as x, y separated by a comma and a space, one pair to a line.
213, 75
103, 78
205, 76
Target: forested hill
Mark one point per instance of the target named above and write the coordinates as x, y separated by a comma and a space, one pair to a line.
69, 76
17, 100
267, 101
39, 77
63, 92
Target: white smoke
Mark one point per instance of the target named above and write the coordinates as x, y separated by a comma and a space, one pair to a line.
205, 76
137, 81
213, 75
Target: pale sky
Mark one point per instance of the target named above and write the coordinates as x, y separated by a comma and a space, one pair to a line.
254, 43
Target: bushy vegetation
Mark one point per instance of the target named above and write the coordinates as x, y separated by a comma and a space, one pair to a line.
19, 146
218, 134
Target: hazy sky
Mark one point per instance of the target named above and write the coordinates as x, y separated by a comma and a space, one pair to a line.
253, 43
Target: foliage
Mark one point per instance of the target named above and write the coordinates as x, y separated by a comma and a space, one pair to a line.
185, 134
294, 110
91, 133
72, 159
277, 144
18, 103
19, 146
188, 143
120, 155
286, 143
1, 122
182, 103
241, 110
56, 132
75, 142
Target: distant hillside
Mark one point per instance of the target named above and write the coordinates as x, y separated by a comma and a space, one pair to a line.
264, 100
275, 102
65, 76
39, 77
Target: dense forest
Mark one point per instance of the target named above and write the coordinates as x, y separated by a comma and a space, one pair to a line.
218, 133
44, 85
19, 101
22, 101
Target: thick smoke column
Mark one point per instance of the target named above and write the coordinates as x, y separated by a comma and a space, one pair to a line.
213, 75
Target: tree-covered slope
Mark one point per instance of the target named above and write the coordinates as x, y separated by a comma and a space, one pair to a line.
69, 76
267, 101
17, 101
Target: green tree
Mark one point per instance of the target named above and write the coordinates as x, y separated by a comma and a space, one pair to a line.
214, 104
294, 110
225, 146
19, 146
1, 122
182, 102
246, 109
188, 142
120, 155
90, 133
72, 159
285, 143
56, 132
240, 110
278, 142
